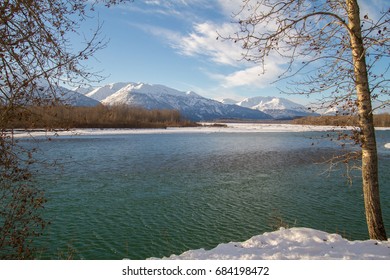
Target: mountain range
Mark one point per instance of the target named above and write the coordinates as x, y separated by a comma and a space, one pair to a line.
191, 105
278, 108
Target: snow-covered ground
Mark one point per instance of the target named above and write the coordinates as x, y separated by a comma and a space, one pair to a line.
293, 243
206, 128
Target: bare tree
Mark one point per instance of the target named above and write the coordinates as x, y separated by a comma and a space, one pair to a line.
328, 47
36, 55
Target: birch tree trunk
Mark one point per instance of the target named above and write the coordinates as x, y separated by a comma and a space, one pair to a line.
372, 205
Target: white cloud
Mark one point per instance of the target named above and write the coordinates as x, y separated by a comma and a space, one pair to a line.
252, 76
166, 34
153, 2
178, 8
203, 42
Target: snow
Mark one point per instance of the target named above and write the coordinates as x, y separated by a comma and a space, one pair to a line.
83, 90
293, 244
159, 89
336, 111
103, 92
77, 99
278, 108
271, 103
193, 94
205, 128
118, 93
194, 106
191, 105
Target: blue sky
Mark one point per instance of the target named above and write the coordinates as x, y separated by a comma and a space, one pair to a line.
173, 42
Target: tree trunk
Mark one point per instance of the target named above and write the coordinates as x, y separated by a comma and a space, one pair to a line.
376, 228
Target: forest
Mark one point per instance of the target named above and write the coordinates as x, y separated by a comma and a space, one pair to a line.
118, 116
380, 120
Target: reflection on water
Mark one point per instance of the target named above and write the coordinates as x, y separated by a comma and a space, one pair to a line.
139, 196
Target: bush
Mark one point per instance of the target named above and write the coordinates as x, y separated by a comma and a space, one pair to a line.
21, 203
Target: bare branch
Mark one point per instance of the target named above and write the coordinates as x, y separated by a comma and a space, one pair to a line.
328, 49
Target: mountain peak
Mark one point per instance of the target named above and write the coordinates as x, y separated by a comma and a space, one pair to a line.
192, 93
103, 92
277, 107
270, 102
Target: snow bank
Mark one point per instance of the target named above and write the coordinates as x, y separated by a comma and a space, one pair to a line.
207, 128
293, 243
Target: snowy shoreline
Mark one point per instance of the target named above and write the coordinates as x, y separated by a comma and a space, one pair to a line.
205, 128
293, 244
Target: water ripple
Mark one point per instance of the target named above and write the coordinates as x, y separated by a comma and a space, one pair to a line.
141, 196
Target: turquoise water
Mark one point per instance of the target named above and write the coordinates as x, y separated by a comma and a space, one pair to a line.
138, 196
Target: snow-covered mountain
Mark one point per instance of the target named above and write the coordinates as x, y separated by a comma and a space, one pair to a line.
103, 92
42, 93
336, 111
63, 96
191, 105
73, 98
278, 108
350, 109
83, 90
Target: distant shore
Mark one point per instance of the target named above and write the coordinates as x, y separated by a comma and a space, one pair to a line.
206, 127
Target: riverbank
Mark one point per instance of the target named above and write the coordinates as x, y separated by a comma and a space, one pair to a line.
202, 128
293, 244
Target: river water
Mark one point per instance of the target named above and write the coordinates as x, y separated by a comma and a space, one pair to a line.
152, 195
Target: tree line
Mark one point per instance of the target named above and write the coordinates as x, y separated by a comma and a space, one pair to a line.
117, 116
381, 120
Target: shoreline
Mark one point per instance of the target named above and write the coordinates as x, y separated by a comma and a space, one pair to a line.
206, 127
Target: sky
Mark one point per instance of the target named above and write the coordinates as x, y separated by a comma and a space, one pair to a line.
174, 43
